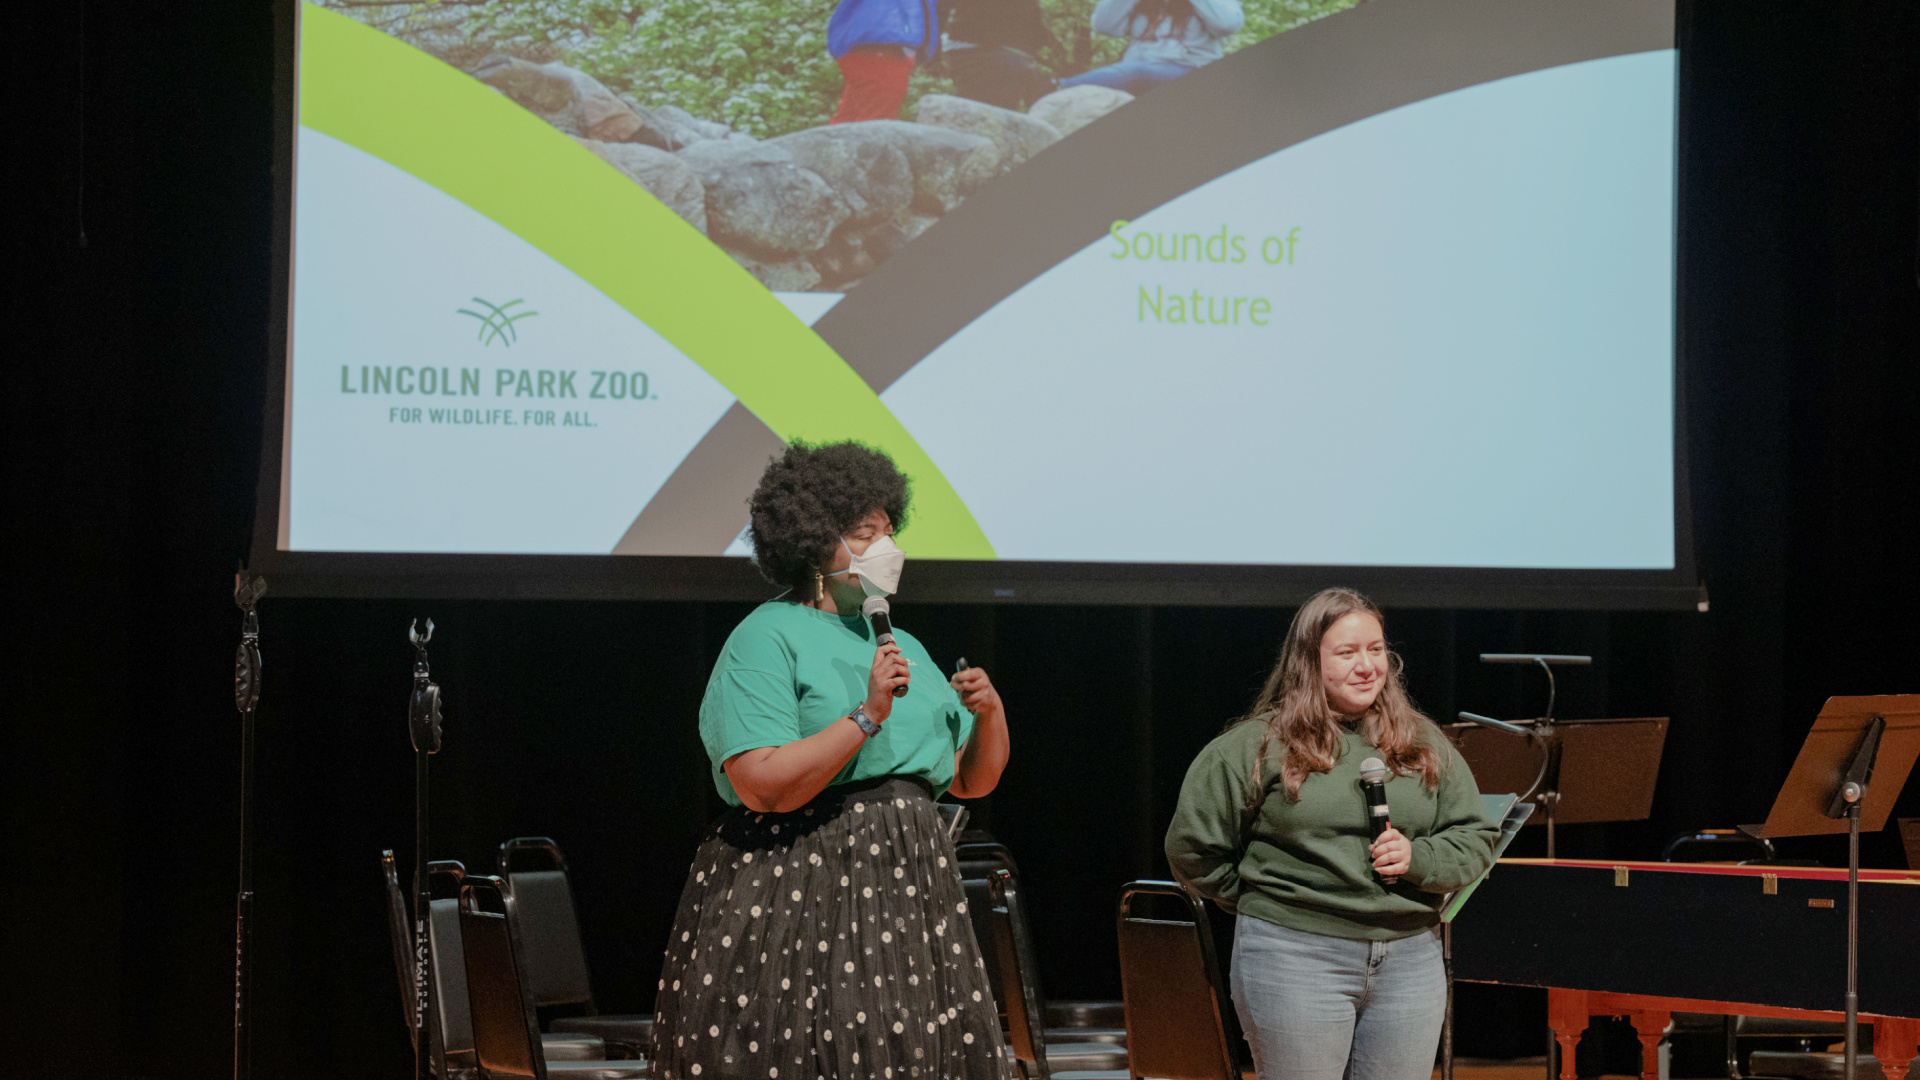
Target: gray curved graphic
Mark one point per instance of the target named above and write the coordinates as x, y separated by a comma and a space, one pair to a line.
1269, 96
703, 505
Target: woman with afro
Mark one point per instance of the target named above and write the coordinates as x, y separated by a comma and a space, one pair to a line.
823, 931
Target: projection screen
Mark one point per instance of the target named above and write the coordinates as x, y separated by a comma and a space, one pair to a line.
1383, 294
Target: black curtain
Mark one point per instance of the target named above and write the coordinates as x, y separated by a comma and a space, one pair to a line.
137, 342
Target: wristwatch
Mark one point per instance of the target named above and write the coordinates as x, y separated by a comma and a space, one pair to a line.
867, 725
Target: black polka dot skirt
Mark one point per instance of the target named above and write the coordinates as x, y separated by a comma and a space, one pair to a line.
827, 943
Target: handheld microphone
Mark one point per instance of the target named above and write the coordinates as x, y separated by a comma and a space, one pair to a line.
1373, 782
876, 610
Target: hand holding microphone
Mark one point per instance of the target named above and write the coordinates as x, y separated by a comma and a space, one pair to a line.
890, 675
1392, 852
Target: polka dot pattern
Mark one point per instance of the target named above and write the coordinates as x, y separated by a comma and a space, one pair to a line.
853, 930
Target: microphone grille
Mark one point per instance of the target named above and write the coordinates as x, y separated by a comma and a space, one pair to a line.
1373, 771
875, 605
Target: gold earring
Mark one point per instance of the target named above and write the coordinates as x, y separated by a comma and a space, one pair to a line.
819, 588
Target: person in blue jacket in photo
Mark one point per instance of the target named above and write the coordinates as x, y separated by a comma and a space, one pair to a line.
877, 43
1169, 38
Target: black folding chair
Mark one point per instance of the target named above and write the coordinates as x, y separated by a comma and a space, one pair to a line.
1176, 1005
400, 935
996, 906
451, 1021
447, 1023
556, 961
1803, 1063
1066, 1022
506, 1036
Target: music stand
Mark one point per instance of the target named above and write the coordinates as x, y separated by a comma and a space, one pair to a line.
1577, 771
1831, 790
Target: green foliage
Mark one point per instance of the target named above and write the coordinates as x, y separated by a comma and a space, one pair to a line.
758, 66
1266, 18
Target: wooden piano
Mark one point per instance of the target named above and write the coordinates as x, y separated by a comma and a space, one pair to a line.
1645, 940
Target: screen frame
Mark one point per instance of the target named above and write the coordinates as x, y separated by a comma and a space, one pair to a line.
402, 575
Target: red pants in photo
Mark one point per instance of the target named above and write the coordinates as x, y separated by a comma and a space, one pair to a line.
876, 84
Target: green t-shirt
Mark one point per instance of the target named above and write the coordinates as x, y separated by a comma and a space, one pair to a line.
789, 671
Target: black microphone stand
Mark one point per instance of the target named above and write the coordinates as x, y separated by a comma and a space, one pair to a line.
1846, 801
1546, 786
247, 590
423, 723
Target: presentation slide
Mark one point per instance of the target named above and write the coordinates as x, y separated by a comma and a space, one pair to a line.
1270, 282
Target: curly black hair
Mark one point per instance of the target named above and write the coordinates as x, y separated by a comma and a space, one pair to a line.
810, 496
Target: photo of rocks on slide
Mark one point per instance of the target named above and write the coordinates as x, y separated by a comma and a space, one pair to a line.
813, 139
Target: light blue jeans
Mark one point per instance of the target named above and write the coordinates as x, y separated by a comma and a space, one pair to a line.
1134, 76
1324, 1008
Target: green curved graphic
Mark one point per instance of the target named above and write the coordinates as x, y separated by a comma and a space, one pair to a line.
459, 135
496, 324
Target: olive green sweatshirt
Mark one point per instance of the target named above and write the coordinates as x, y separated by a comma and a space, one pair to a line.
1304, 864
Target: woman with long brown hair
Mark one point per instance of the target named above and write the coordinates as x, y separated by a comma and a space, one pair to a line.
1336, 973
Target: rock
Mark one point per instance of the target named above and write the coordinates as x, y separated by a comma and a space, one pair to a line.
852, 255
1069, 110
446, 32
541, 88
1016, 135
665, 176
761, 203
571, 100
912, 225
600, 115
690, 128
790, 275
864, 167
947, 165
680, 128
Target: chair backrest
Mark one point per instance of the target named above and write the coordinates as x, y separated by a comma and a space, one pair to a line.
1910, 839
1019, 1005
1718, 845
1026, 1008
996, 946
980, 860
953, 819
1170, 981
452, 1005
506, 1037
997, 909
1770, 1027
554, 960
449, 1026
400, 931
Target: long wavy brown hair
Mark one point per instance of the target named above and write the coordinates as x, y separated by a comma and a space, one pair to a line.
1305, 726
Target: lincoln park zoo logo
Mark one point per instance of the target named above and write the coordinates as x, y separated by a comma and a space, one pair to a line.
496, 321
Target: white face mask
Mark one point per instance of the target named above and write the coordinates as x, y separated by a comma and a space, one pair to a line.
879, 568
